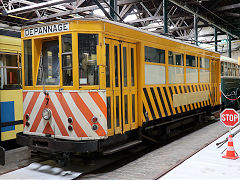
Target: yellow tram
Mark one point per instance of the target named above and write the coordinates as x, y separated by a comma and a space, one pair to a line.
89, 84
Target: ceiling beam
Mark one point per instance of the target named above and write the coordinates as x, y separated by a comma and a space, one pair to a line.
228, 7
80, 9
37, 6
204, 18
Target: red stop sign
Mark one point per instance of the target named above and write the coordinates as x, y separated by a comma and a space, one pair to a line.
229, 117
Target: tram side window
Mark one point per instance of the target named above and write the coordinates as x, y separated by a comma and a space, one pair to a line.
154, 55
10, 71
28, 62
175, 74
191, 73
175, 58
191, 61
48, 72
87, 53
204, 63
67, 60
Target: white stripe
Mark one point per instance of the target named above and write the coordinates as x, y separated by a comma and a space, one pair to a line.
52, 123
27, 101
94, 109
61, 113
230, 140
230, 148
103, 96
35, 111
79, 116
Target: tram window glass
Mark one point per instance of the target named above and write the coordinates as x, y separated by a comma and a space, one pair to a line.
191, 61
48, 72
109, 112
225, 69
126, 108
125, 66
204, 76
153, 71
107, 67
116, 65
222, 69
132, 66
67, 60
175, 75
154, 55
175, 58
133, 108
28, 62
204, 63
191, 75
117, 112
10, 71
87, 53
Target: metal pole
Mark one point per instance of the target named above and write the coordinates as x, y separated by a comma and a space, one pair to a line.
165, 16
215, 38
112, 4
229, 46
196, 29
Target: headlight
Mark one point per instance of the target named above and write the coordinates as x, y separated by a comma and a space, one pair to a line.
46, 114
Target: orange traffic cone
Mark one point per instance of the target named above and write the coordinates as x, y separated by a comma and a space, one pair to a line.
230, 149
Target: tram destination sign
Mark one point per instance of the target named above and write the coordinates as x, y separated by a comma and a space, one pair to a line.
52, 28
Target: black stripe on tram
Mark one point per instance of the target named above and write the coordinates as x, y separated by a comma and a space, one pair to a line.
144, 114
171, 92
196, 88
194, 91
181, 91
189, 90
169, 104
175, 88
161, 98
155, 100
149, 103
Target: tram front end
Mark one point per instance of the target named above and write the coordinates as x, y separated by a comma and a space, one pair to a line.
64, 105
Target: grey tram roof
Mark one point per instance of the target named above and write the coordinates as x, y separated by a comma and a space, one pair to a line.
122, 25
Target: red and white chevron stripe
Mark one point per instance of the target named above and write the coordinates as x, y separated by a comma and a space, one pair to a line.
82, 106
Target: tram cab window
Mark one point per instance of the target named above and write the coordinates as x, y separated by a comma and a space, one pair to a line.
28, 62
67, 60
87, 54
48, 72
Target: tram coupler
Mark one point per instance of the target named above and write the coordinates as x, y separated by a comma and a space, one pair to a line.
2, 156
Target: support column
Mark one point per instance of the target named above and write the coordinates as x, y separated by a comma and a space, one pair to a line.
165, 16
196, 29
215, 38
113, 4
229, 45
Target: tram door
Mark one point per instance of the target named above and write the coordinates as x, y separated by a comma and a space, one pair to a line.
121, 85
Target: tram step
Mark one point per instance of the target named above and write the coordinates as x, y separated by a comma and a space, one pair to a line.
122, 147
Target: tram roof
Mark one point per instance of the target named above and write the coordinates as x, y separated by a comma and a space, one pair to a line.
122, 25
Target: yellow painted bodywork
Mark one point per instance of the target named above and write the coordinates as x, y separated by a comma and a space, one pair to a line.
17, 97
116, 34
10, 44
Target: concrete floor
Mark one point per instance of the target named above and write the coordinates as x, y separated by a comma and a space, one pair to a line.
160, 161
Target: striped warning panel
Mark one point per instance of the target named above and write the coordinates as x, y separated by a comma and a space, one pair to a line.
81, 106
158, 101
